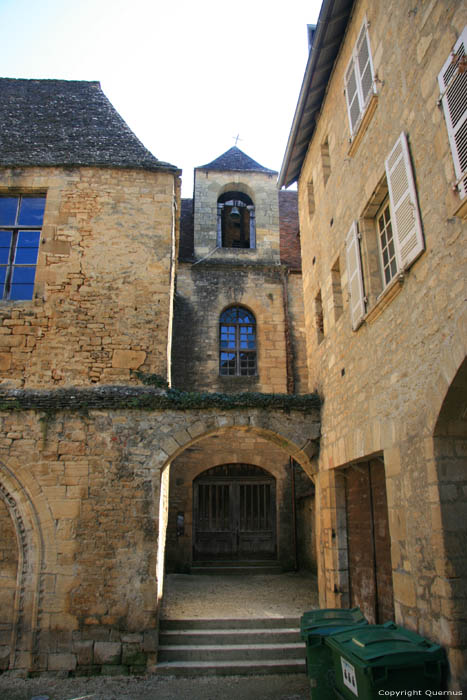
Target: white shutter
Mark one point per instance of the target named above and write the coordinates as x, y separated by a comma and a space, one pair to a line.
355, 276
405, 217
453, 84
351, 95
365, 68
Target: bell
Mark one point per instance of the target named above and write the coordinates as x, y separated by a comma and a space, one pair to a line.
235, 213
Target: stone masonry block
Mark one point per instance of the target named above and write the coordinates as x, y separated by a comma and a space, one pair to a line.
107, 653
61, 662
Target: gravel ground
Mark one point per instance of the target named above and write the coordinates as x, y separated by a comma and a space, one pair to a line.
157, 688
277, 595
191, 597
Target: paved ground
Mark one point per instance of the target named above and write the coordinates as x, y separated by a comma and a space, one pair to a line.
278, 595
283, 595
158, 688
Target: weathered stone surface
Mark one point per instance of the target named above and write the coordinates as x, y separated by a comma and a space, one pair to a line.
107, 653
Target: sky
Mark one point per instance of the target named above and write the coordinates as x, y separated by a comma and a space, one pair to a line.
187, 76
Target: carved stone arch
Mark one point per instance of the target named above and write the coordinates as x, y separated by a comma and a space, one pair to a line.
237, 187
24, 640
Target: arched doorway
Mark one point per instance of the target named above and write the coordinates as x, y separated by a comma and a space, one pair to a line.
234, 513
9, 558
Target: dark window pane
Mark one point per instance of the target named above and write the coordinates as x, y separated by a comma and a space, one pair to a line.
5, 243
2, 274
26, 256
8, 207
21, 291
31, 211
28, 239
2, 290
23, 275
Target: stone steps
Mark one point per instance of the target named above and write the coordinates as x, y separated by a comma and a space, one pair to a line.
230, 647
245, 567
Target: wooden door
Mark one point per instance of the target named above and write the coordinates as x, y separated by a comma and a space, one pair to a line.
369, 545
234, 513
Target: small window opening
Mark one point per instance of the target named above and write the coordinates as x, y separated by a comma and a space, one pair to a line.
319, 317
236, 221
326, 160
336, 286
311, 198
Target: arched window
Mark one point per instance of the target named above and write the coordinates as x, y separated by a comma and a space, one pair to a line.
237, 334
236, 221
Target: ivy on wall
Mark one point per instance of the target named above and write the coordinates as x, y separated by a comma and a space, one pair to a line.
154, 395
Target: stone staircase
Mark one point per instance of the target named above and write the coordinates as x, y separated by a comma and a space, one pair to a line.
262, 567
230, 647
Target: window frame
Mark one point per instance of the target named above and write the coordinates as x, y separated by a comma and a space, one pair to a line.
363, 245
237, 350
16, 229
452, 80
353, 68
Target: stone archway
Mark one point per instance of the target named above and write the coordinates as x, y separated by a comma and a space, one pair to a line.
449, 443
20, 575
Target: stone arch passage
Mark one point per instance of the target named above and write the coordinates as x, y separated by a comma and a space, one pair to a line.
450, 443
243, 438
9, 562
234, 513
20, 575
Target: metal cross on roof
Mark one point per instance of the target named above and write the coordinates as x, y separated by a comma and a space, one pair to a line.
237, 138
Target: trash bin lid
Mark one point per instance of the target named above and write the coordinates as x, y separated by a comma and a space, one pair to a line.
329, 620
385, 645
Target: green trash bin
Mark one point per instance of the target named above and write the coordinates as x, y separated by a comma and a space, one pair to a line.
370, 660
315, 626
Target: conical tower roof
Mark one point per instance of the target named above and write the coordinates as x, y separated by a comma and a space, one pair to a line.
235, 159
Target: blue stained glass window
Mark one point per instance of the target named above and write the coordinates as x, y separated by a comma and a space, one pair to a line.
19, 246
21, 291
8, 210
31, 211
5, 245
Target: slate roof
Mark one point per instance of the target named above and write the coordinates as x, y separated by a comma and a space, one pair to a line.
327, 39
235, 159
66, 122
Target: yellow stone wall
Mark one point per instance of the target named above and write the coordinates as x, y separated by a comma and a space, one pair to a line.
102, 302
383, 384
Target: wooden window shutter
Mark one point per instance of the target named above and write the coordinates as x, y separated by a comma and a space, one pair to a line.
453, 84
355, 276
405, 217
365, 68
351, 95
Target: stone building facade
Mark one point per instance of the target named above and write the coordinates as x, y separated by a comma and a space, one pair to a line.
378, 148
89, 231
260, 275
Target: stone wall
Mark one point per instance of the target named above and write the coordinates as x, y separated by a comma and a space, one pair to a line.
383, 384
102, 301
203, 291
85, 494
262, 189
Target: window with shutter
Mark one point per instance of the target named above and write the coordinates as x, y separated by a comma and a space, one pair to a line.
355, 277
405, 217
453, 84
359, 80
